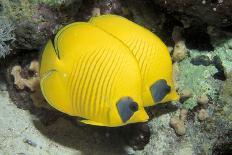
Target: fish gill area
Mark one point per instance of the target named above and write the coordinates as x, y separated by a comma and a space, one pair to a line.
198, 34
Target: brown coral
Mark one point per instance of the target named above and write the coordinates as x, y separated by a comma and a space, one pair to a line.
33, 83
203, 115
20, 82
180, 51
178, 125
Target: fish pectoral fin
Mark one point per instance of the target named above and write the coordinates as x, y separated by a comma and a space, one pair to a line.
86, 121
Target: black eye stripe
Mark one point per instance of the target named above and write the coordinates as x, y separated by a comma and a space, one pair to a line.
126, 108
134, 106
159, 90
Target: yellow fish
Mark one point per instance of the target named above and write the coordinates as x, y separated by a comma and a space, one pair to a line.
88, 73
151, 53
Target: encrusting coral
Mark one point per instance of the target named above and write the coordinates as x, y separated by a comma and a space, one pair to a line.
178, 123
202, 115
180, 49
33, 83
20, 82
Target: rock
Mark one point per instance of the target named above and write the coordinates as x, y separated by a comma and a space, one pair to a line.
29, 142
203, 100
136, 135
186, 93
109, 6
196, 37
223, 144
180, 51
201, 60
178, 126
146, 14
37, 21
96, 12
218, 64
224, 57
177, 34
202, 115
214, 12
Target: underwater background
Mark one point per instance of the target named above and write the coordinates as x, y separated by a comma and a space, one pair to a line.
198, 34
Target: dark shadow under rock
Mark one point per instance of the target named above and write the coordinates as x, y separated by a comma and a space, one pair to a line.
214, 12
161, 109
223, 145
197, 38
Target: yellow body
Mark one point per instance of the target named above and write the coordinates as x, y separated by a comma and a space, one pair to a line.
87, 71
151, 53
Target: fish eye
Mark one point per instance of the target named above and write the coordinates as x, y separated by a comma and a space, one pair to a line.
126, 108
134, 106
159, 90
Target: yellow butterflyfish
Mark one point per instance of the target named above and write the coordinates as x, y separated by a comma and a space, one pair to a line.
88, 73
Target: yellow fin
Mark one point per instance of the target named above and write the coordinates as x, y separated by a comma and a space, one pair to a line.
54, 91
92, 122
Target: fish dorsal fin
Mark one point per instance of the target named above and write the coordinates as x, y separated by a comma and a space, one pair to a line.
49, 59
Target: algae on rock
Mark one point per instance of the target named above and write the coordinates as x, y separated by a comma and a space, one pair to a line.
223, 51
198, 78
36, 20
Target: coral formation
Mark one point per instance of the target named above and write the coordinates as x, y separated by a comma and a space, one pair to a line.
186, 93
202, 115
178, 126
33, 83
203, 100
178, 123
179, 52
6, 36
20, 82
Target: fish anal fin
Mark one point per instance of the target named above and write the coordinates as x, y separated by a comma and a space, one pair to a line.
90, 122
